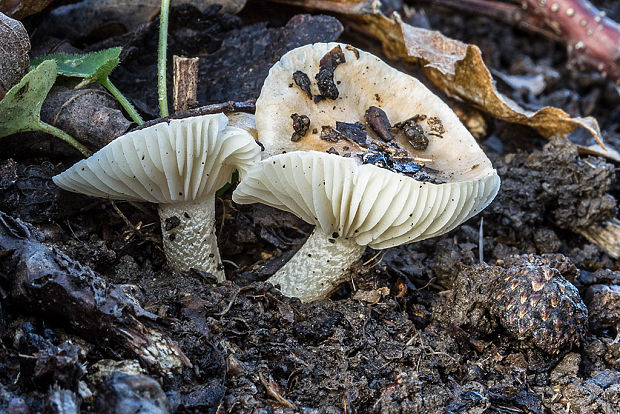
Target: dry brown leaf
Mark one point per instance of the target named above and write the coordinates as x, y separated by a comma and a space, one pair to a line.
14, 48
455, 67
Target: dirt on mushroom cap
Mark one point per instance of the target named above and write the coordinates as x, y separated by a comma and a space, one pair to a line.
362, 77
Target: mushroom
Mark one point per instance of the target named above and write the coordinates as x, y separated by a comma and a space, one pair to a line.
178, 165
361, 181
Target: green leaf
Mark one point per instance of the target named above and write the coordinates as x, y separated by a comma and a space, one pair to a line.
95, 66
21, 106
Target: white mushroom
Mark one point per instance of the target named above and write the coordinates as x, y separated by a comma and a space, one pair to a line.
178, 165
352, 202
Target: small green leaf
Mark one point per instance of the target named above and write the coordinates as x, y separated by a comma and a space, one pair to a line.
95, 66
21, 106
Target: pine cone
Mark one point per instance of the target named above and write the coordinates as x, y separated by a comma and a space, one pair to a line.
537, 304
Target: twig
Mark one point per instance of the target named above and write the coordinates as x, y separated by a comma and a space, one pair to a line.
481, 241
378, 261
133, 228
274, 393
372, 258
232, 300
230, 106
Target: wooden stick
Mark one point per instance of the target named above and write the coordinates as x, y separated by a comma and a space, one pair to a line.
185, 83
248, 106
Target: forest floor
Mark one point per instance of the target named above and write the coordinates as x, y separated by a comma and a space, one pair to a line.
414, 330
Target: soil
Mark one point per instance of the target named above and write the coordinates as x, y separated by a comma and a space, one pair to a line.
93, 320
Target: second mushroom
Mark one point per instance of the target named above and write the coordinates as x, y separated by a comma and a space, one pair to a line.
178, 165
371, 157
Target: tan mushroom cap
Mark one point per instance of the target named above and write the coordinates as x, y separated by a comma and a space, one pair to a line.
363, 202
169, 162
363, 80
370, 205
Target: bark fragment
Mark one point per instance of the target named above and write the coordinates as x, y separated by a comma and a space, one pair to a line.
47, 282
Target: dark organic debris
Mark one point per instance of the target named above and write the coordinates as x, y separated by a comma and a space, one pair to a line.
377, 120
14, 61
354, 131
27, 192
327, 86
414, 132
409, 168
171, 223
44, 362
47, 282
126, 394
325, 77
303, 81
603, 306
301, 123
63, 401
435, 126
328, 133
581, 202
332, 59
57, 365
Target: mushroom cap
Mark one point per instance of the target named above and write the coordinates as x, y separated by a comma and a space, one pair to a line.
366, 203
362, 81
169, 162
371, 205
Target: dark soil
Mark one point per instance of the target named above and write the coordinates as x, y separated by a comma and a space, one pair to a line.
93, 320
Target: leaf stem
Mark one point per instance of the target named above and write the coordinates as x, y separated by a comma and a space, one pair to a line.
59, 133
161, 57
122, 100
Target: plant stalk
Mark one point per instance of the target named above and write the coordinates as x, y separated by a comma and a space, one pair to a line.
123, 101
161, 57
59, 133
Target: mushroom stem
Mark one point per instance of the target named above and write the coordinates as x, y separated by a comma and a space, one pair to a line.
188, 232
318, 267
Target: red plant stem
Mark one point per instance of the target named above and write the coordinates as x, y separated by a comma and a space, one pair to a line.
505, 12
593, 39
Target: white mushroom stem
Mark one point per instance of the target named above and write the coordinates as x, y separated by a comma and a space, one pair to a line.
318, 267
188, 231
